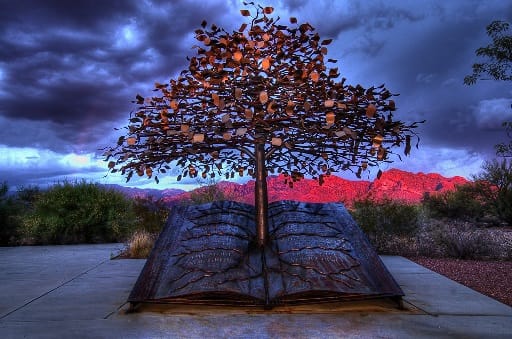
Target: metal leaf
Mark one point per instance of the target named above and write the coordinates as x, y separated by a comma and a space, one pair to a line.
370, 110
277, 141
263, 97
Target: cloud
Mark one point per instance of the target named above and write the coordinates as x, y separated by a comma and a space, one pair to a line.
490, 114
68, 70
448, 162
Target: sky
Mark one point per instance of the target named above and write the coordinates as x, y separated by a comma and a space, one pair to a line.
70, 69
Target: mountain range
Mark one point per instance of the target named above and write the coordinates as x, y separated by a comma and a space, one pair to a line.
393, 184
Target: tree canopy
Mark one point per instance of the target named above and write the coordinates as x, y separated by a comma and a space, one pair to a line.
264, 84
498, 66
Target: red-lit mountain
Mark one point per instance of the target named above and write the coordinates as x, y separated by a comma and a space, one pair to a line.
393, 184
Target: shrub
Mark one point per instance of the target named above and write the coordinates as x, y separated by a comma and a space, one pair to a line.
467, 202
383, 221
209, 192
150, 214
79, 213
9, 221
464, 242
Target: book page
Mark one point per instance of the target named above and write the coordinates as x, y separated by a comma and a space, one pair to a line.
312, 251
208, 254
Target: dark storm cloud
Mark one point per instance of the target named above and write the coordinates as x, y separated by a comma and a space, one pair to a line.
79, 63
423, 50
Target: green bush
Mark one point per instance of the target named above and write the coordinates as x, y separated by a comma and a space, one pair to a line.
207, 193
467, 202
9, 220
384, 221
79, 212
150, 214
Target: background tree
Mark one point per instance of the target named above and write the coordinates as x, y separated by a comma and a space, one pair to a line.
498, 66
496, 176
259, 98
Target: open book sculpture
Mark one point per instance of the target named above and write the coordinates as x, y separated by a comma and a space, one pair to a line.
206, 254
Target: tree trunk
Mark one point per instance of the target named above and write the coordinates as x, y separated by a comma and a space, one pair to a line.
261, 196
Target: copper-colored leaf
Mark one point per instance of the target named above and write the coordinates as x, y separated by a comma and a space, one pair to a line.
263, 97
216, 99
198, 137
225, 118
237, 56
221, 104
314, 76
241, 131
342, 105
245, 12
242, 27
381, 155
329, 103
131, 141
307, 106
289, 108
293, 20
265, 37
173, 104
377, 141
268, 10
238, 93
277, 141
111, 164
370, 110
265, 64
149, 172
185, 128
248, 113
226, 136
329, 117
323, 50
271, 108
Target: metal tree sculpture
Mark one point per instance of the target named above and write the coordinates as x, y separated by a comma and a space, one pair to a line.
255, 99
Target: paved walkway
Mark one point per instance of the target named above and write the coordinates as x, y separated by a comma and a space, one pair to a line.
78, 292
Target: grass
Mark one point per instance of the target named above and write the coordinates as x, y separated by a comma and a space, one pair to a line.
139, 245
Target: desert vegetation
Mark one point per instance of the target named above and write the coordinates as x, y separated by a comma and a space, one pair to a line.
74, 212
470, 222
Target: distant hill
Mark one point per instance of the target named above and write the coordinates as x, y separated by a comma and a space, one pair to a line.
393, 184
134, 192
